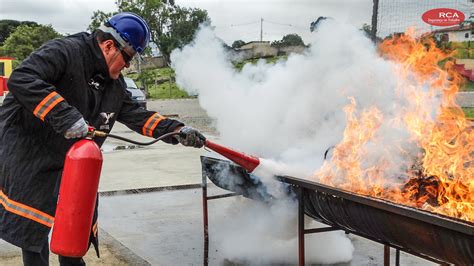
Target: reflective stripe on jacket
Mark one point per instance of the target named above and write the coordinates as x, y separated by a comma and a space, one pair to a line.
64, 80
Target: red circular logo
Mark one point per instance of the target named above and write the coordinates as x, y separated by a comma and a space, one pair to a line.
443, 17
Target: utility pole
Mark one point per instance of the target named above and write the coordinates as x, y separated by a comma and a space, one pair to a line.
261, 29
375, 13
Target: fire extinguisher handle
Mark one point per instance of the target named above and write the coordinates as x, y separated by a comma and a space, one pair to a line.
92, 132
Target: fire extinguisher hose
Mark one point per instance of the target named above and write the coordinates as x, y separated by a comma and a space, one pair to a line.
248, 162
94, 133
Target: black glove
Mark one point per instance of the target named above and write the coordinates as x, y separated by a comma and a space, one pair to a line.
189, 136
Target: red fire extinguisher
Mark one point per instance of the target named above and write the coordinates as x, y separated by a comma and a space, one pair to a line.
77, 197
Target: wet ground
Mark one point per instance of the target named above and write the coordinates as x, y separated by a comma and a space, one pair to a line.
165, 227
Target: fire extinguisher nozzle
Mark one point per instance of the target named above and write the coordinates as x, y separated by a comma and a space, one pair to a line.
100, 133
248, 162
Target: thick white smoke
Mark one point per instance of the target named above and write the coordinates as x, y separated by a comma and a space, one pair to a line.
292, 111
252, 233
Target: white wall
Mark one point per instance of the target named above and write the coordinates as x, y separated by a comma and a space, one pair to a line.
460, 36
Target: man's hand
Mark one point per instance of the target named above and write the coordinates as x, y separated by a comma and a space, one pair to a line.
77, 130
189, 136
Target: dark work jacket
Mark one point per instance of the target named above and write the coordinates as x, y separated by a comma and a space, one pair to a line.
64, 80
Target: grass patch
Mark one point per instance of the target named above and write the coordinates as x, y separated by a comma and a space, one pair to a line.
159, 86
469, 111
166, 91
166, 71
160, 83
467, 86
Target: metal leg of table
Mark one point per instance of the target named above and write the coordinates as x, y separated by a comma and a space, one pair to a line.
397, 257
386, 255
301, 227
205, 221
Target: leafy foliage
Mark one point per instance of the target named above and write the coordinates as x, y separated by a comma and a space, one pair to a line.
171, 26
97, 18
25, 39
181, 26
289, 40
469, 112
237, 44
314, 25
467, 86
149, 10
7, 26
367, 29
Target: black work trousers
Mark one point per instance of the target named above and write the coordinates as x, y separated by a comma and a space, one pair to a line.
42, 258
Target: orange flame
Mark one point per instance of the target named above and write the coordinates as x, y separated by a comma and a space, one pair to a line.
440, 176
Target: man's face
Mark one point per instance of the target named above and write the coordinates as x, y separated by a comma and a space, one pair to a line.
116, 58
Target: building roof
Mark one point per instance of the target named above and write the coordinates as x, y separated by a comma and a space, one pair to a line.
252, 44
257, 42
461, 27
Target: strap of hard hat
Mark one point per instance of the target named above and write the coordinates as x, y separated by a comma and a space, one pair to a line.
118, 38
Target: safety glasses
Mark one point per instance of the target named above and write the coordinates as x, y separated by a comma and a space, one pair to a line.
126, 57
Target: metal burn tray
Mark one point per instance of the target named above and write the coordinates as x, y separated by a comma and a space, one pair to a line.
415, 231
412, 230
232, 177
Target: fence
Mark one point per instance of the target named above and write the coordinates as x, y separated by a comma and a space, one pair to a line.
395, 16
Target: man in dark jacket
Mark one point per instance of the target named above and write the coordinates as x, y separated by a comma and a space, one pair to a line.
56, 92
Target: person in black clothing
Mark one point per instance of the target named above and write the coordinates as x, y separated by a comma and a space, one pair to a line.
62, 88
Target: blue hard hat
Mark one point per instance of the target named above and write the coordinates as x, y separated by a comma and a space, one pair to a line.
131, 31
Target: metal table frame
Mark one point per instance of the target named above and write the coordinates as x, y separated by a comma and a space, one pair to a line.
301, 230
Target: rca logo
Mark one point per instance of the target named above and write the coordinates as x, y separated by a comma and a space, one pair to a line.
443, 17
448, 15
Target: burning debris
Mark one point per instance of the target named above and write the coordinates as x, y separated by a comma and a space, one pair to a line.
439, 175
423, 191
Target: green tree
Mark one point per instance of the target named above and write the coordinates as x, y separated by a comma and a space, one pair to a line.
98, 17
237, 44
181, 26
7, 26
154, 12
367, 29
289, 40
171, 26
25, 39
315, 24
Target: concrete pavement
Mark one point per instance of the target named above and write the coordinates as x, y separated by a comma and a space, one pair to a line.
157, 165
165, 228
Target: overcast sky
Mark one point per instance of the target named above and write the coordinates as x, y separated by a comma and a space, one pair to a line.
240, 19
280, 17
66, 16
